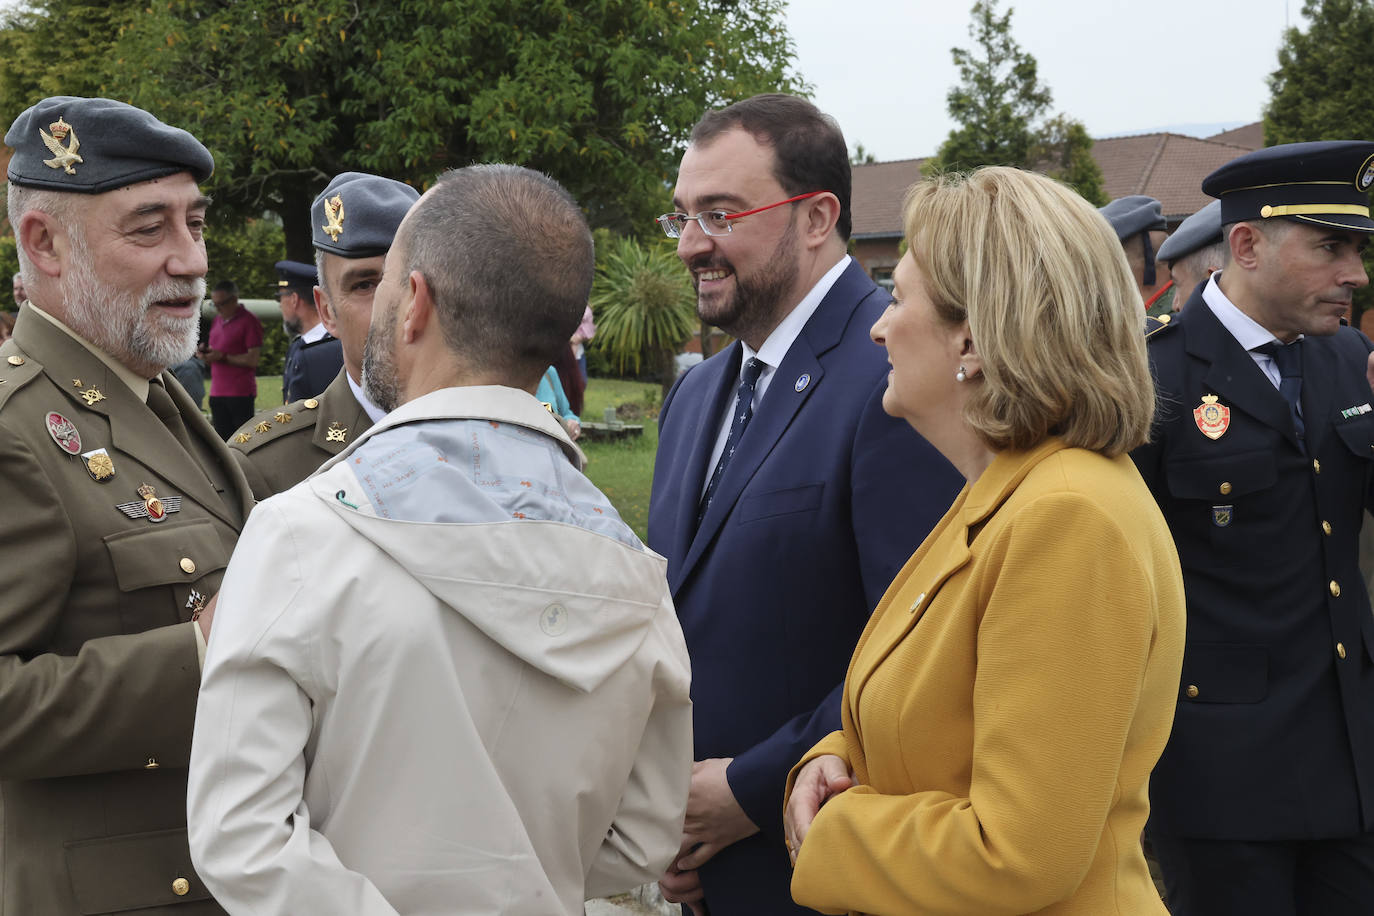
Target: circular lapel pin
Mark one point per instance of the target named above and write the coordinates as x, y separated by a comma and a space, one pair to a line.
64, 433
802, 381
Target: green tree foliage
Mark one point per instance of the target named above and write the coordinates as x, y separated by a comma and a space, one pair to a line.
1002, 107
599, 94
1320, 90
645, 308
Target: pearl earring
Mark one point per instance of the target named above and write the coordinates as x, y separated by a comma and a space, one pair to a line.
961, 375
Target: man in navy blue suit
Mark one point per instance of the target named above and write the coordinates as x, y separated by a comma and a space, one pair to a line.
1262, 461
784, 498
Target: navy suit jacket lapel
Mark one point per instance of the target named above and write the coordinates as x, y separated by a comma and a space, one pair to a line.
785, 396
1232, 373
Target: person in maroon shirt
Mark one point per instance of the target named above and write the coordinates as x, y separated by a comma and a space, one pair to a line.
233, 350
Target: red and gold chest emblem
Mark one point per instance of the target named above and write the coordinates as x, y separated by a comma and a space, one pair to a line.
1212, 418
64, 433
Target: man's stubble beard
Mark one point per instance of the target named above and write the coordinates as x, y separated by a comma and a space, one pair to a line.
757, 303
130, 329
380, 383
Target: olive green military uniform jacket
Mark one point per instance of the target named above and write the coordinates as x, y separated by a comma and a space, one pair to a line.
279, 448
98, 665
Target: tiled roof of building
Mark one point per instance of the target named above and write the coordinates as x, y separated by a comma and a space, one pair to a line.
1250, 136
877, 195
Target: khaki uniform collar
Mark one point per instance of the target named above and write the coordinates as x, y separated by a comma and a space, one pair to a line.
137, 384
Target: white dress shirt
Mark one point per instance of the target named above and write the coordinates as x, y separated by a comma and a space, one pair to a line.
1248, 332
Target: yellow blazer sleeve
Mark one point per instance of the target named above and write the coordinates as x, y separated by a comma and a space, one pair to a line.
833, 743
1065, 619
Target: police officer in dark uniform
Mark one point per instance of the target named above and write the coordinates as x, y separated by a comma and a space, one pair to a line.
1263, 462
120, 508
314, 355
354, 222
1193, 252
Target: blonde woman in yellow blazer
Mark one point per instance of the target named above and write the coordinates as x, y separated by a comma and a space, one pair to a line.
1016, 684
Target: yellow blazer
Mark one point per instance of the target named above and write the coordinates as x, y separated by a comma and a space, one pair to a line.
1006, 703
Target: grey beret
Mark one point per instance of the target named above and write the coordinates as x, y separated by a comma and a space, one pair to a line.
1133, 215
1197, 231
295, 277
357, 215
90, 146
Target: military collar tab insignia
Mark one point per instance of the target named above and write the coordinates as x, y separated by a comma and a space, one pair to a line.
91, 395
802, 381
1212, 418
99, 465
64, 157
64, 433
334, 217
1356, 411
337, 432
282, 417
152, 507
76, 383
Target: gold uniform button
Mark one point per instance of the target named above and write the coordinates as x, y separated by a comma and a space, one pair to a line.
1340, 650
1192, 691
1266, 211
188, 565
1316, 466
1225, 488
181, 887
1326, 528
16, 360
310, 404
1335, 589
152, 764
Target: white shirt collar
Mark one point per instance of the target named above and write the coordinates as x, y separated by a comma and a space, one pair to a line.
787, 331
1248, 332
374, 412
313, 334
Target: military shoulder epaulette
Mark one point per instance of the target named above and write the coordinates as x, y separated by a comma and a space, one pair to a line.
1155, 325
16, 371
272, 424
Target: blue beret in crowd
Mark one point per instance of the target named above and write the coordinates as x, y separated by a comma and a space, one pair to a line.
1197, 231
1324, 183
357, 215
1133, 215
296, 277
90, 146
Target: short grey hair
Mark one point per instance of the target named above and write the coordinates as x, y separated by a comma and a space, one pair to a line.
507, 255
1208, 257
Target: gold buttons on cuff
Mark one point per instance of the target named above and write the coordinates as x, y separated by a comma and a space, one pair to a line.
181, 887
152, 764
1326, 528
188, 565
1335, 588
1316, 466
1340, 650
1225, 488
16, 360
1192, 691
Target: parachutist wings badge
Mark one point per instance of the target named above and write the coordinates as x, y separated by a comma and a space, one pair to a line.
64, 157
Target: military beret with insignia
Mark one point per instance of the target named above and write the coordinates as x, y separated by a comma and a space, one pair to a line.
295, 277
1325, 183
357, 214
1201, 229
90, 146
1133, 215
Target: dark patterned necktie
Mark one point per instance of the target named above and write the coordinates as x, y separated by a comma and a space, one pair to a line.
162, 404
744, 411
1289, 360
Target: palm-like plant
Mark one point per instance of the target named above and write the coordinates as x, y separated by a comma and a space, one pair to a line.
645, 307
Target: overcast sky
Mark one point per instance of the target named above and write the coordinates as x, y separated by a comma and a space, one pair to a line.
883, 67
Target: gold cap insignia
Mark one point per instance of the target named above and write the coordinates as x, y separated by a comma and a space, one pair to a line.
334, 217
64, 157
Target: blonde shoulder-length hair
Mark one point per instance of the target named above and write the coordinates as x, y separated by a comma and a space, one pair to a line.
1052, 308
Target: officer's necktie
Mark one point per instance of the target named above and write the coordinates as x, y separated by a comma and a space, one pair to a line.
162, 404
1289, 360
744, 410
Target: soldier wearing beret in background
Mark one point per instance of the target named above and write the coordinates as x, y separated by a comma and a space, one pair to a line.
121, 508
1262, 461
1139, 224
1194, 252
354, 221
313, 357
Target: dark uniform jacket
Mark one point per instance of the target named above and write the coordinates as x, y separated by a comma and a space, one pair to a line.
1274, 734
278, 449
98, 667
309, 367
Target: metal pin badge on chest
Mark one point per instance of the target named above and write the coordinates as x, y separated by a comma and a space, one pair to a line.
1222, 515
802, 381
99, 465
64, 433
1212, 418
153, 507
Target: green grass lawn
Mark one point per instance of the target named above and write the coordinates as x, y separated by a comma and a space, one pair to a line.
623, 470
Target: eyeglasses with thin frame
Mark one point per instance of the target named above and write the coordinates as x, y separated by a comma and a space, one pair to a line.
717, 222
